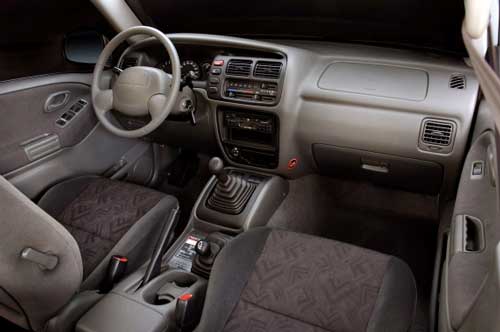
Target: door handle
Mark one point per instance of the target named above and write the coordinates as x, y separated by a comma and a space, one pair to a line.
56, 101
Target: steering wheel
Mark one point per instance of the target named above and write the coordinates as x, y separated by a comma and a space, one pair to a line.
138, 91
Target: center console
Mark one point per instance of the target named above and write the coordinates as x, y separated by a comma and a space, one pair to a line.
248, 138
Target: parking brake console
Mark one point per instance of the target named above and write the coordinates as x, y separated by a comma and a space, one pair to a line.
231, 193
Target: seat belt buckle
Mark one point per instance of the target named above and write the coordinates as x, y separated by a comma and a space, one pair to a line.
187, 312
116, 270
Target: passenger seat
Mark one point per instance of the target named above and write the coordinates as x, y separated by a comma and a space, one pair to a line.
276, 280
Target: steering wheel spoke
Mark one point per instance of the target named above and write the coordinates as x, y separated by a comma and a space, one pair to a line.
156, 106
103, 102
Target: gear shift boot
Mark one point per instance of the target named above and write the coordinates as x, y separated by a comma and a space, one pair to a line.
231, 193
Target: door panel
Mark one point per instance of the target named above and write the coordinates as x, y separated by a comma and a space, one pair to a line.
470, 271
35, 152
28, 120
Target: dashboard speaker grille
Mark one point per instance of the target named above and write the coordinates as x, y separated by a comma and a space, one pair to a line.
268, 69
437, 132
239, 67
457, 81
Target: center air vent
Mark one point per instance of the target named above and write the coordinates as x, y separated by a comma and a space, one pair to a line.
129, 62
268, 69
437, 135
457, 81
239, 67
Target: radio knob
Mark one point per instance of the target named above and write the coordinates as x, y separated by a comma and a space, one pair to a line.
235, 152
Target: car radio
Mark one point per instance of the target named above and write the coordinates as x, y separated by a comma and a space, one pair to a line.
249, 137
260, 124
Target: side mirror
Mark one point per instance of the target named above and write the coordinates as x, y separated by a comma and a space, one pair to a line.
83, 47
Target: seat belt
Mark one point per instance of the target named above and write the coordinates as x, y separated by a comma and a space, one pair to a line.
472, 33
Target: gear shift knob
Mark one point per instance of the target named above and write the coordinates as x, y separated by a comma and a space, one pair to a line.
216, 167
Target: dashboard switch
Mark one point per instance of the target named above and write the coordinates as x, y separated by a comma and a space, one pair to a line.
216, 71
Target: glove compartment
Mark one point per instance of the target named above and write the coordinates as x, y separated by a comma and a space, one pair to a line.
381, 169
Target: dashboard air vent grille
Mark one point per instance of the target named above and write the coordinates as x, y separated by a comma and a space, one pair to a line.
268, 69
129, 62
436, 132
457, 81
239, 67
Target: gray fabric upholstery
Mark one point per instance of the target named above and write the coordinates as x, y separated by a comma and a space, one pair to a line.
394, 308
137, 243
96, 217
100, 213
229, 275
297, 282
27, 288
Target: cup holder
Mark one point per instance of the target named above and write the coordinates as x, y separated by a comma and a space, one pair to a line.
169, 287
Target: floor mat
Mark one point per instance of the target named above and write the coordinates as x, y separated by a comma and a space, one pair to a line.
390, 221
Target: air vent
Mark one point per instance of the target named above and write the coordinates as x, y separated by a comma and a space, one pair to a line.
239, 67
436, 132
129, 62
457, 81
268, 69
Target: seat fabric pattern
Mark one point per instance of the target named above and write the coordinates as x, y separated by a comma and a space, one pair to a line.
102, 213
306, 283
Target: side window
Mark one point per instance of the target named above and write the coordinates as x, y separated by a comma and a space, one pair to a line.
33, 34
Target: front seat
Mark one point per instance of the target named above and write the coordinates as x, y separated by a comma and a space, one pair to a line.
275, 280
81, 222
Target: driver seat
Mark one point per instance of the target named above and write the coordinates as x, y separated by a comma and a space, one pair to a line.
82, 222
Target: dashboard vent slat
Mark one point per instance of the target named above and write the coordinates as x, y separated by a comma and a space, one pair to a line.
129, 62
436, 132
238, 67
457, 81
268, 69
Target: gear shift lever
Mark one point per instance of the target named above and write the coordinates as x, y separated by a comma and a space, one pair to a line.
216, 167
231, 193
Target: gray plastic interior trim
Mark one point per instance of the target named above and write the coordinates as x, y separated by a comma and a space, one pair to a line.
94, 155
42, 147
310, 115
119, 15
36, 81
376, 80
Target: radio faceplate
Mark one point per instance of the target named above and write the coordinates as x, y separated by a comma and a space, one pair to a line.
250, 138
247, 79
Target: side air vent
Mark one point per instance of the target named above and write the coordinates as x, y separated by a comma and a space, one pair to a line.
438, 135
457, 81
129, 62
268, 69
239, 67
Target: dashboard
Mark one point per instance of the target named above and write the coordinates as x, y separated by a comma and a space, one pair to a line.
394, 117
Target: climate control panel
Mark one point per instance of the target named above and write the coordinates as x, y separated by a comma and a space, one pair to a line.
246, 80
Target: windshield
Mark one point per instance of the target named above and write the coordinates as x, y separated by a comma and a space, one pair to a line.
425, 24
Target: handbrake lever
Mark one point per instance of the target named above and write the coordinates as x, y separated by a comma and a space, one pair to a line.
164, 241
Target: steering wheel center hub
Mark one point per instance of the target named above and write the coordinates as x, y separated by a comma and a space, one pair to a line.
134, 88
